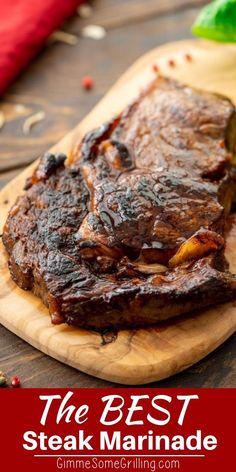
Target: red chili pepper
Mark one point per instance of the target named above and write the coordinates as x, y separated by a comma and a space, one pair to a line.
188, 57
87, 82
171, 63
15, 381
155, 68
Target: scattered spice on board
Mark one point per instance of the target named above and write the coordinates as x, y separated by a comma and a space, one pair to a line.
155, 68
63, 37
32, 120
85, 10
87, 82
93, 32
171, 63
3, 380
20, 108
188, 57
2, 119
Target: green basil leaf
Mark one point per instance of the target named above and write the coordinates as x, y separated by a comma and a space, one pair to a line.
217, 21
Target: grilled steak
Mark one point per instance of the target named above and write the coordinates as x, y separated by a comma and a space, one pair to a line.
132, 231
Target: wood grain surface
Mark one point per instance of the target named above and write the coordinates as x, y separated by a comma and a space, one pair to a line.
132, 357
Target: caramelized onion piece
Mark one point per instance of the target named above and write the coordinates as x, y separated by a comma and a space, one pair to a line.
150, 268
201, 244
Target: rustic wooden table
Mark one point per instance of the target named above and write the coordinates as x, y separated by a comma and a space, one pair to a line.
52, 83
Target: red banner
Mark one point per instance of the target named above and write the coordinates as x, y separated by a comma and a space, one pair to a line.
117, 429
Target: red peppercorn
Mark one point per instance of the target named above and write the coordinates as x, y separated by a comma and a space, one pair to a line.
87, 82
15, 381
188, 57
155, 68
171, 63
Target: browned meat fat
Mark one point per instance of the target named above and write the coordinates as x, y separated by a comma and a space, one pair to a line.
132, 232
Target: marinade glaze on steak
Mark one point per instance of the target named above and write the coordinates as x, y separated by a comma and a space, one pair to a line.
132, 232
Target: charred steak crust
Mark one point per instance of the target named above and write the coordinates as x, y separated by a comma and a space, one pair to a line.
132, 232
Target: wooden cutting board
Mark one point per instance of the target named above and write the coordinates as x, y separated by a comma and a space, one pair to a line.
144, 355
